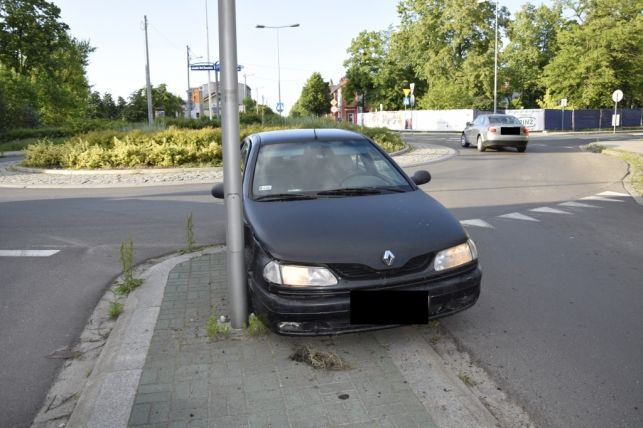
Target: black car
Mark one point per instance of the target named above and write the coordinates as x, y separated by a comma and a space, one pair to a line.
329, 216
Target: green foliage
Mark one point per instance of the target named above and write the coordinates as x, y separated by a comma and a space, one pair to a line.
314, 99
115, 310
127, 264
214, 329
601, 52
533, 43
42, 68
190, 123
255, 327
367, 54
136, 110
189, 237
166, 148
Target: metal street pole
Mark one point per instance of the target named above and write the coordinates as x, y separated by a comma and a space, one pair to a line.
150, 114
279, 103
189, 100
495, 67
207, 37
231, 161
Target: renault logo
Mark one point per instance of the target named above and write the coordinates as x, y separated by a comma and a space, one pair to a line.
388, 257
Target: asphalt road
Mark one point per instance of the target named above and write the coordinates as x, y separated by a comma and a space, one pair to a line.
559, 321
46, 301
558, 324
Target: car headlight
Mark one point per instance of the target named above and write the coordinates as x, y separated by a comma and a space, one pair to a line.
455, 256
297, 275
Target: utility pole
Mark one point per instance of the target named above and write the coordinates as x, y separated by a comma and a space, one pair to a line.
495, 67
207, 36
231, 159
189, 100
150, 114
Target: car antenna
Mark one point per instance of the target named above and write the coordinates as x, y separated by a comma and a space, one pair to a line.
315, 133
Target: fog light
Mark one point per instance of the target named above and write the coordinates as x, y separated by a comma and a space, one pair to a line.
289, 326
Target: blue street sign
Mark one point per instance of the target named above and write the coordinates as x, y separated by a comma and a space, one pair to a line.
198, 66
280, 107
217, 67
407, 101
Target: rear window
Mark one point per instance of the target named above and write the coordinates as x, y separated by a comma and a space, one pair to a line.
504, 120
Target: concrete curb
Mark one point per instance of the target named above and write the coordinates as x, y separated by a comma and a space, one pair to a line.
108, 396
627, 180
136, 171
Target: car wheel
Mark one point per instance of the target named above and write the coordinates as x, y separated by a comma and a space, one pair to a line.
463, 141
522, 149
481, 147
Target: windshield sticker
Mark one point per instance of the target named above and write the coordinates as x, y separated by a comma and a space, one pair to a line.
265, 188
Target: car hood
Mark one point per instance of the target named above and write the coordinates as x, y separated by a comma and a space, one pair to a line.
354, 229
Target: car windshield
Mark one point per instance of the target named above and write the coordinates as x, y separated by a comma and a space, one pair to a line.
504, 120
324, 169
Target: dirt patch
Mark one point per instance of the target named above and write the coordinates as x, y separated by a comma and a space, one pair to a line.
319, 359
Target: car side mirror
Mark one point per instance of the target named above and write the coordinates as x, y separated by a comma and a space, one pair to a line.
421, 177
467, 124
218, 191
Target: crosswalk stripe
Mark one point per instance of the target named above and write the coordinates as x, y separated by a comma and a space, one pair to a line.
476, 222
610, 193
549, 210
27, 253
518, 216
600, 198
577, 205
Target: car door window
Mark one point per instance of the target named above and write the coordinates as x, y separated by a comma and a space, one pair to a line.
245, 149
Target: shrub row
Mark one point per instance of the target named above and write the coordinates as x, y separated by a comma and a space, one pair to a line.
171, 147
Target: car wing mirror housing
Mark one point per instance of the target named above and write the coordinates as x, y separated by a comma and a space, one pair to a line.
218, 191
421, 177
468, 124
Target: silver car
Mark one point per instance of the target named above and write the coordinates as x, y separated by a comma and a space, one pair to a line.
495, 131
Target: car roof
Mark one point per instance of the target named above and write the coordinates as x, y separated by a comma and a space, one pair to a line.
294, 135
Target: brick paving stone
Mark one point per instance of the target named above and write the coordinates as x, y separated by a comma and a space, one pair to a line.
190, 380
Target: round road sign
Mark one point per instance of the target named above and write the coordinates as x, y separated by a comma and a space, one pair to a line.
334, 109
617, 96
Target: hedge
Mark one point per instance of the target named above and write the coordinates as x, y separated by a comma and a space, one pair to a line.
171, 147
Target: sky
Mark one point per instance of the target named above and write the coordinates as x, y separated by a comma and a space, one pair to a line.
319, 44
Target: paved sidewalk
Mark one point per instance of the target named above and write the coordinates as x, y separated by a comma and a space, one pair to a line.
160, 368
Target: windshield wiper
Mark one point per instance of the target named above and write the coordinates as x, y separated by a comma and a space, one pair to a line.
285, 197
350, 191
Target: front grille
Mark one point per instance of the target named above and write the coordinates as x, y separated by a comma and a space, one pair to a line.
510, 130
358, 271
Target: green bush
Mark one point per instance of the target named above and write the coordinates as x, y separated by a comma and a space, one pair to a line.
170, 147
24, 133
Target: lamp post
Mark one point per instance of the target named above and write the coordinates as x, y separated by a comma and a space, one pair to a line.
280, 107
495, 61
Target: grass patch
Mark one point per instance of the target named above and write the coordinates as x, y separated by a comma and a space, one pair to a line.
595, 148
466, 379
115, 310
255, 326
635, 160
189, 238
318, 359
215, 329
127, 264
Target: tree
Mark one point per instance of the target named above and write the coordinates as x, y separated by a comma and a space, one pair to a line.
40, 59
601, 53
532, 44
367, 54
315, 97
136, 110
450, 45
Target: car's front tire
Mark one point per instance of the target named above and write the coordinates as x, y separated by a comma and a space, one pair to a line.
481, 147
463, 141
521, 149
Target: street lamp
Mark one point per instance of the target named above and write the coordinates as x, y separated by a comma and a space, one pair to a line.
280, 105
495, 62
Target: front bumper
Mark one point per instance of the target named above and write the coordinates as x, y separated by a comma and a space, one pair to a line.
330, 314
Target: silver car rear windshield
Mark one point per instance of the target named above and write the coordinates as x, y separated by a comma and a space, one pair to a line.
504, 120
317, 166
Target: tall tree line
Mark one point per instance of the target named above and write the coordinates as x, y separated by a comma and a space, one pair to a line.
581, 50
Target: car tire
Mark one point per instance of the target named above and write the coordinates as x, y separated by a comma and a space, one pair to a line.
481, 147
521, 149
463, 141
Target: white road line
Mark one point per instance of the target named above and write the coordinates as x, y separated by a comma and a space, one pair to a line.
476, 222
518, 216
577, 205
610, 193
27, 253
549, 210
600, 198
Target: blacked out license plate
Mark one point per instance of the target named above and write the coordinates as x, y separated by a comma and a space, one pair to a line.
389, 307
